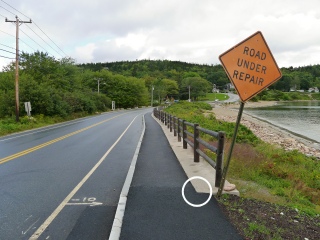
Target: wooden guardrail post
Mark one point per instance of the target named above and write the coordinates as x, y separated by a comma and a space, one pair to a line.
170, 122
184, 135
220, 147
179, 132
196, 135
174, 127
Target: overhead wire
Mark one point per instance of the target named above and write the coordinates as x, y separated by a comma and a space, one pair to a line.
6, 51
8, 46
8, 33
50, 39
43, 40
33, 40
2, 16
6, 57
7, 9
35, 32
27, 44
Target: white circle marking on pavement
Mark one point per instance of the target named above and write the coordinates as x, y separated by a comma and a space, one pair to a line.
196, 205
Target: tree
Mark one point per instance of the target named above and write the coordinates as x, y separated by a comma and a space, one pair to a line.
164, 88
198, 87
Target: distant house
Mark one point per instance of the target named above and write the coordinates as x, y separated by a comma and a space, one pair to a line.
230, 86
315, 89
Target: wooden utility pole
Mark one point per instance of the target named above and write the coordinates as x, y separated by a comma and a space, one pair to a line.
18, 23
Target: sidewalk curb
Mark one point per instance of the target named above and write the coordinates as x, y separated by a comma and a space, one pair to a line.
118, 219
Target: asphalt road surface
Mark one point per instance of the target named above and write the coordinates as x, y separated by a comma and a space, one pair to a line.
155, 207
64, 181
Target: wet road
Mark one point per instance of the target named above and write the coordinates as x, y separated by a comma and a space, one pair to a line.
64, 181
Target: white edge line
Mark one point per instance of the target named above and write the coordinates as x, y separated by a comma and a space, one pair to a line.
55, 213
118, 219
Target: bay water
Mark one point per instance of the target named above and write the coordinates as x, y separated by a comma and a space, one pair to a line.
299, 117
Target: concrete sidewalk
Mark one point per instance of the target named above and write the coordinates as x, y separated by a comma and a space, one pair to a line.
155, 207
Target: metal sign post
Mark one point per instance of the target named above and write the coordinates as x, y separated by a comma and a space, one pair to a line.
225, 169
251, 68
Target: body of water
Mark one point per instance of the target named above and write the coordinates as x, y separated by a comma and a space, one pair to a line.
301, 118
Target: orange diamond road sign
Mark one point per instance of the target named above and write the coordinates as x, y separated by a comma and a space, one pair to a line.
250, 66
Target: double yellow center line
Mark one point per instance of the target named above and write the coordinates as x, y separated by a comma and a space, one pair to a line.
27, 151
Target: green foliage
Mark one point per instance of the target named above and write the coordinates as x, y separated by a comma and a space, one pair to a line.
288, 174
59, 88
214, 96
9, 125
316, 96
198, 87
276, 95
193, 112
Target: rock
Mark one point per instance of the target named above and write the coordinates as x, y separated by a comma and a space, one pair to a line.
229, 187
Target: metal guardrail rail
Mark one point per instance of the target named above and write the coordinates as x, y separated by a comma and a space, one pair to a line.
180, 130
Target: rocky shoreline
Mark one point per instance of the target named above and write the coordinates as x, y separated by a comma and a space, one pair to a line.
266, 131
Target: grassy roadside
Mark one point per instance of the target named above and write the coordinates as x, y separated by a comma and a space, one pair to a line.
9, 125
214, 96
263, 173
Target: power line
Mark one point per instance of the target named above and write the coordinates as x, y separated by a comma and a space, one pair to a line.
6, 51
27, 44
50, 39
14, 9
8, 33
43, 40
34, 41
7, 46
7, 9
39, 29
6, 57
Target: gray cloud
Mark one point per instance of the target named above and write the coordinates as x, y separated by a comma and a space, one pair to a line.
185, 30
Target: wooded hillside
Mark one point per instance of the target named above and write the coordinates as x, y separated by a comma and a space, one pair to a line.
61, 87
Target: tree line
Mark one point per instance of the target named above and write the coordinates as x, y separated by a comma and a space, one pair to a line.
62, 87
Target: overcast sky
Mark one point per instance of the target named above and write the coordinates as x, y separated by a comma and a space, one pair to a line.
195, 31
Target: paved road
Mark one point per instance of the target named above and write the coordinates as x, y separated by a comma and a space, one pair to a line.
155, 208
64, 181
232, 98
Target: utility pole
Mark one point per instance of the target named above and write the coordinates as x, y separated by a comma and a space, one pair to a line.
18, 23
152, 88
98, 85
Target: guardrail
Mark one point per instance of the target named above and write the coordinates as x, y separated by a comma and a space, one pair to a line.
180, 130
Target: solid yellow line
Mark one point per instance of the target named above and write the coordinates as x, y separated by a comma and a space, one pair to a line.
22, 153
